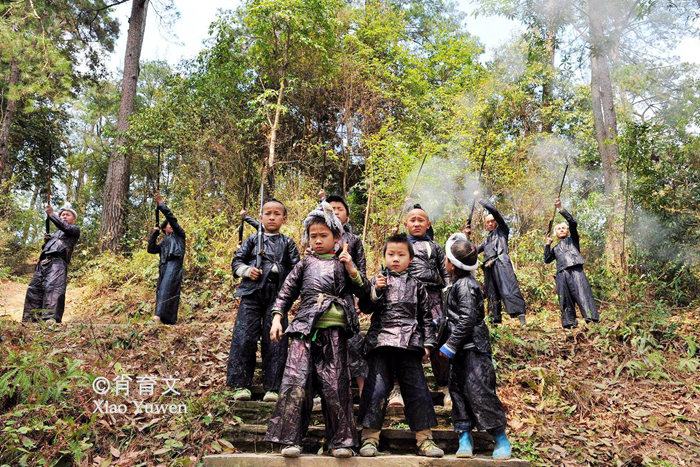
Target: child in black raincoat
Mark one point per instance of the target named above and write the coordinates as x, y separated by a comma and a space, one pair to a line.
572, 284
499, 277
172, 251
400, 335
318, 337
47, 289
258, 291
472, 376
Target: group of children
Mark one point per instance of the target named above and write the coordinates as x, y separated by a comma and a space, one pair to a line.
425, 304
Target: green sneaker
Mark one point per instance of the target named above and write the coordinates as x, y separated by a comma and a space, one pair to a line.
241, 394
270, 396
428, 448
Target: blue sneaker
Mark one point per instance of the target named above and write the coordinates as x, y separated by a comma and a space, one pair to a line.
502, 449
466, 445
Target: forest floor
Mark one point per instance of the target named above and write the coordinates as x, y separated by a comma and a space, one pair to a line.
622, 392
12, 295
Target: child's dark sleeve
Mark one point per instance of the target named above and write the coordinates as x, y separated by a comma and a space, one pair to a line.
573, 227
442, 268
290, 290
359, 283
468, 318
549, 254
172, 220
252, 222
292, 252
153, 247
496, 215
370, 302
425, 318
243, 255
358, 256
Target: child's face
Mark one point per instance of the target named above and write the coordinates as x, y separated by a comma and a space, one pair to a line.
417, 222
449, 267
321, 239
273, 217
339, 210
561, 231
397, 257
491, 223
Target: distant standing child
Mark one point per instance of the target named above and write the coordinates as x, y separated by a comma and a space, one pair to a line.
357, 363
472, 376
400, 335
428, 266
572, 284
172, 252
499, 277
318, 337
258, 291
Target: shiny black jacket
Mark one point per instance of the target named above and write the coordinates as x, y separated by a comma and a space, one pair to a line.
401, 315
278, 250
355, 248
567, 252
62, 242
319, 282
464, 310
428, 265
173, 245
496, 243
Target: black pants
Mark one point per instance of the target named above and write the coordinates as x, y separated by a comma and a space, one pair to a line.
385, 363
316, 362
473, 392
357, 363
573, 289
254, 320
168, 290
46, 294
502, 285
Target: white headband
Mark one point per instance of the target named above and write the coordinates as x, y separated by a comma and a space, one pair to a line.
455, 237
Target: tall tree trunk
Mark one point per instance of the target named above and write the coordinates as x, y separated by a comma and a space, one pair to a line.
605, 121
116, 191
268, 171
7, 114
550, 48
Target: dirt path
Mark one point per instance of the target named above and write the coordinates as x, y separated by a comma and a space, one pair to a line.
12, 300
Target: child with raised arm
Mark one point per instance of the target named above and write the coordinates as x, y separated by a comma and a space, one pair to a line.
472, 376
258, 291
499, 277
318, 337
572, 284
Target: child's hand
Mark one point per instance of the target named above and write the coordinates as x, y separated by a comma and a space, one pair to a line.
346, 259
380, 282
276, 330
557, 203
158, 197
243, 213
395, 230
322, 194
444, 355
548, 239
426, 357
254, 273
468, 231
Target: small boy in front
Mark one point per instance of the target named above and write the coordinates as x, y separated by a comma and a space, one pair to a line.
428, 267
258, 291
472, 376
318, 337
572, 284
400, 335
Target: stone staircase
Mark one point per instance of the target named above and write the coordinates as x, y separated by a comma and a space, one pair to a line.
397, 442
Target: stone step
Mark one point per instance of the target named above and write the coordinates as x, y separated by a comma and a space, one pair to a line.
257, 392
254, 412
249, 438
275, 460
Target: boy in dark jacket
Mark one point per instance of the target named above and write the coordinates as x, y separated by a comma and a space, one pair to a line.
357, 363
428, 267
47, 289
172, 252
499, 276
472, 376
318, 338
258, 291
401, 333
572, 284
